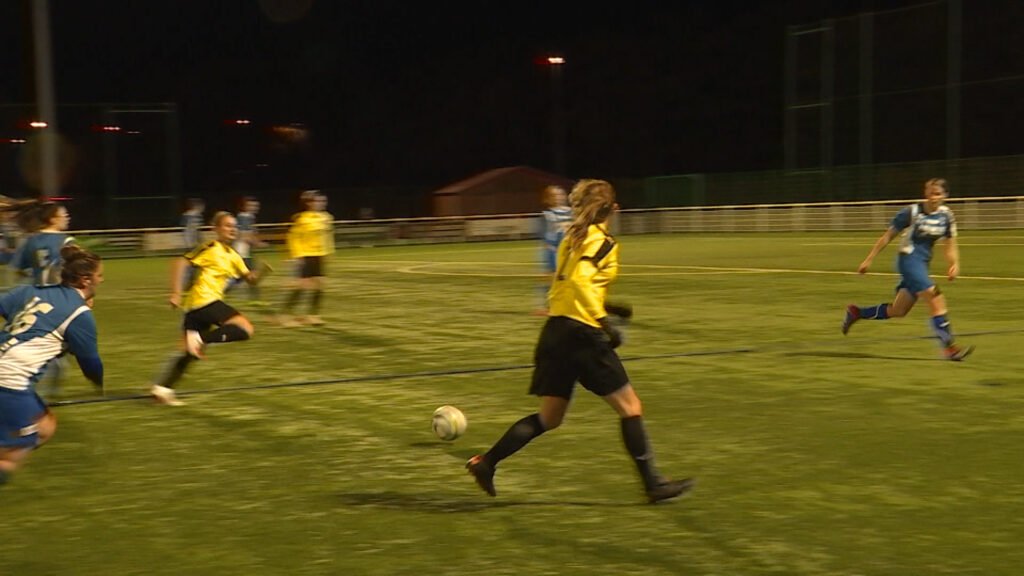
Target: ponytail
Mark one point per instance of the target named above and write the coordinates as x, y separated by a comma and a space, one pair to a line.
592, 202
79, 264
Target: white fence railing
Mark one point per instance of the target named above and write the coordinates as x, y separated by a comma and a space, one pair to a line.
988, 213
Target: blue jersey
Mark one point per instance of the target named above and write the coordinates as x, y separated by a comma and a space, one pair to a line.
554, 224
9, 230
41, 324
41, 254
921, 231
246, 226
190, 224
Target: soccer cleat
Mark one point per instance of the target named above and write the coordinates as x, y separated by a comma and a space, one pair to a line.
669, 489
852, 315
483, 473
957, 353
194, 343
165, 395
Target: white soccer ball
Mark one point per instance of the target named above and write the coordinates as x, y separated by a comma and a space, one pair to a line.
449, 423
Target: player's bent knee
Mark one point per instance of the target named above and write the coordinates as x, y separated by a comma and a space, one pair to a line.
551, 422
243, 323
47, 426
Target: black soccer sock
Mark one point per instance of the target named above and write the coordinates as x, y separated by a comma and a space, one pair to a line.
226, 333
314, 303
174, 370
517, 436
293, 297
634, 436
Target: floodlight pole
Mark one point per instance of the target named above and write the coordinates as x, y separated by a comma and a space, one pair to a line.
555, 64
45, 99
954, 17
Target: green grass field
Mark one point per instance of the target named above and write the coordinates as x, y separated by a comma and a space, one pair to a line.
309, 451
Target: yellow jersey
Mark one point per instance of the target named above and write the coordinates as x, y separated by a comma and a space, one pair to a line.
216, 264
311, 234
582, 277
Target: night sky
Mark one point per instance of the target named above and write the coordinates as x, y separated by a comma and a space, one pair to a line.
426, 93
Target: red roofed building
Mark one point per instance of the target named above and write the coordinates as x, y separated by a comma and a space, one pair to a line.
512, 190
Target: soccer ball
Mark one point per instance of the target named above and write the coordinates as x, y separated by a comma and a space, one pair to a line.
449, 422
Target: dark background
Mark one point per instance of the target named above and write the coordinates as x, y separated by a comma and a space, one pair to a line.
420, 94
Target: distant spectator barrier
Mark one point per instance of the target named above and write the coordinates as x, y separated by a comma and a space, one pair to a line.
984, 213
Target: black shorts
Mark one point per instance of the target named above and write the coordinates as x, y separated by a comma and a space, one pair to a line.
569, 351
311, 266
213, 314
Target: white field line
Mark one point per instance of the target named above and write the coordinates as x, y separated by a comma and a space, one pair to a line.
425, 268
672, 270
961, 244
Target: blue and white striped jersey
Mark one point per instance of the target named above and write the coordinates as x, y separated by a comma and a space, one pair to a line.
555, 222
921, 231
41, 254
246, 225
41, 324
190, 224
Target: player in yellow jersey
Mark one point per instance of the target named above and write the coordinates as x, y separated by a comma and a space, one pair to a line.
215, 265
310, 240
578, 344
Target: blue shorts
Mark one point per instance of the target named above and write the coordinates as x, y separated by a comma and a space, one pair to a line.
913, 274
19, 411
548, 259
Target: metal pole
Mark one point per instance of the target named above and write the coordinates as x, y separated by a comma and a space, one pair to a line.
867, 49
789, 100
557, 116
866, 128
173, 157
45, 99
110, 183
953, 69
827, 112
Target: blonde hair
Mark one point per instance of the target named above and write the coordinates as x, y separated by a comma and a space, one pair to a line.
219, 217
592, 202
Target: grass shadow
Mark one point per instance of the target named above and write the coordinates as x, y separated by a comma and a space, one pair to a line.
389, 500
461, 454
362, 338
999, 383
860, 356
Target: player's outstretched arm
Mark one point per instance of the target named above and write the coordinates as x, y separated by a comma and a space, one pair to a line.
177, 279
81, 340
880, 244
952, 259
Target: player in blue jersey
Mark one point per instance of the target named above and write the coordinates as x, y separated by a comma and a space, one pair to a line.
191, 222
555, 220
41, 324
248, 239
9, 239
13, 214
922, 225
39, 256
